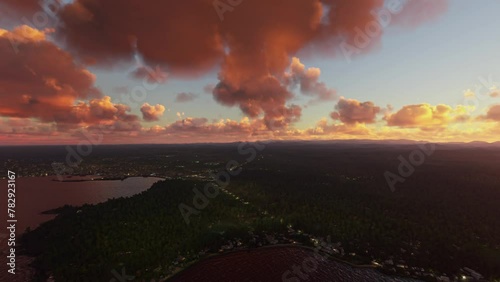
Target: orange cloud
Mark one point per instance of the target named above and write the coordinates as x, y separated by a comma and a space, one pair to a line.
266, 95
33, 83
103, 109
493, 113
152, 113
192, 129
323, 128
426, 116
308, 80
203, 126
350, 111
189, 38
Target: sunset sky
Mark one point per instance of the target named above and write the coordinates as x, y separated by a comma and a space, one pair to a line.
161, 71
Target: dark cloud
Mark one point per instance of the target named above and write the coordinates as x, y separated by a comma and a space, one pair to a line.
22, 8
185, 97
156, 75
209, 88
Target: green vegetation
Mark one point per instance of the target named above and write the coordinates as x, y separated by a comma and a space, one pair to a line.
443, 218
425, 229
145, 234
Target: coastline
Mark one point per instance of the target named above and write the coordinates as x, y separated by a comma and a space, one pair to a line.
105, 178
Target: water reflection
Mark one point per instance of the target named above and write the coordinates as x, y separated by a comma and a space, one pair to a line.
38, 194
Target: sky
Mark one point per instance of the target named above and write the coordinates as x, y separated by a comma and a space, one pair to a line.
120, 72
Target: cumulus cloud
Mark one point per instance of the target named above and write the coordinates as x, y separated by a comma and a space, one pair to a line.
33, 83
256, 59
119, 126
99, 111
211, 129
426, 116
308, 80
265, 96
324, 128
202, 129
493, 113
350, 111
185, 97
188, 124
252, 55
152, 113
57, 92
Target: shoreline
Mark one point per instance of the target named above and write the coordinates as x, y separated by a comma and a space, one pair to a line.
106, 178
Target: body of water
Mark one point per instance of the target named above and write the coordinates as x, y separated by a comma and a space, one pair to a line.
35, 195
